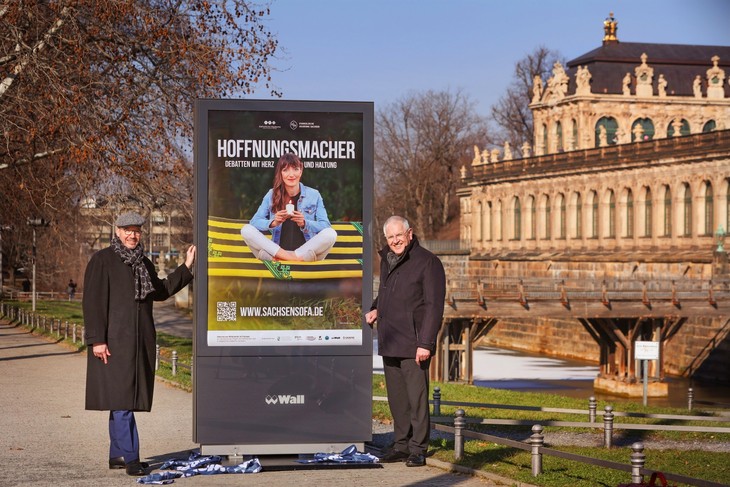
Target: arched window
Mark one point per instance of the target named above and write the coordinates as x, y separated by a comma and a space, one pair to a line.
667, 213
609, 125
594, 214
498, 220
544, 139
480, 222
629, 214
574, 141
533, 218
647, 213
645, 133
578, 217
611, 214
687, 211
487, 224
559, 137
709, 213
517, 219
709, 126
684, 128
561, 216
545, 217
727, 206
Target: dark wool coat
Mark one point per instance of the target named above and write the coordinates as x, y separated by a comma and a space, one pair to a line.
112, 316
410, 302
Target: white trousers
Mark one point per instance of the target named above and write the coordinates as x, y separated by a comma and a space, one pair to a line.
316, 248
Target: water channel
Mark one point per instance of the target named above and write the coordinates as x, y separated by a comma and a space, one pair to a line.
519, 371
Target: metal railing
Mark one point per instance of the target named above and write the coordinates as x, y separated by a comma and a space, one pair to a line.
536, 447
74, 332
13, 295
174, 362
53, 326
535, 444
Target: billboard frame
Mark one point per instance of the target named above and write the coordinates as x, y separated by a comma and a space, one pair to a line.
354, 356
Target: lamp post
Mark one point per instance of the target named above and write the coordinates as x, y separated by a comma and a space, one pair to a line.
34, 223
2, 227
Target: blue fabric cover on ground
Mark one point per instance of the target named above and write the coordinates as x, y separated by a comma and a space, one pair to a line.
348, 455
196, 464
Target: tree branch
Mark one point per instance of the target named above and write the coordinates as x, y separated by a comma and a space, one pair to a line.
5, 84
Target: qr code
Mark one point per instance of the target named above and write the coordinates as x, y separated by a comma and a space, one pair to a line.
226, 311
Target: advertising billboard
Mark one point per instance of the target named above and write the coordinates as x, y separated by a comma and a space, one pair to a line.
282, 355
259, 299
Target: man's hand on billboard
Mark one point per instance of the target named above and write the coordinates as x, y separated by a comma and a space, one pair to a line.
190, 257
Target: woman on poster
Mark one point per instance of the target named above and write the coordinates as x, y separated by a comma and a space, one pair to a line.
295, 216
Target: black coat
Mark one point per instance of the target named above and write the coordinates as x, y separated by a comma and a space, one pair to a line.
410, 302
112, 316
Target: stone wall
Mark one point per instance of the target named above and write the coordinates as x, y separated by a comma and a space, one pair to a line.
568, 339
702, 337
556, 338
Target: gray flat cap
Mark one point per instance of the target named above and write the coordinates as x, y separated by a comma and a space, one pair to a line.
130, 219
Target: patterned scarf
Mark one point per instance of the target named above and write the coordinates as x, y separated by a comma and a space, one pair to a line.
393, 259
135, 259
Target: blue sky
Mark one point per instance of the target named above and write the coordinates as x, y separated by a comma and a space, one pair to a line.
381, 50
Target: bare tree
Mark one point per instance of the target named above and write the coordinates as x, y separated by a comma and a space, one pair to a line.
96, 96
511, 114
421, 142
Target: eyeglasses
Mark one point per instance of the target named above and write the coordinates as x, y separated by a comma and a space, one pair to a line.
397, 236
130, 232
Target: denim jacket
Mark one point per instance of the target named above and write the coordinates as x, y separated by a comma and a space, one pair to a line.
310, 204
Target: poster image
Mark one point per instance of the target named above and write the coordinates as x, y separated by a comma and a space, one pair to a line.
285, 228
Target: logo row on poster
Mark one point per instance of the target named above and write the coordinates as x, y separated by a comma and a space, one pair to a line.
273, 338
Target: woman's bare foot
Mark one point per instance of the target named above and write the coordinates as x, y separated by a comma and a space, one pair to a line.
289, 255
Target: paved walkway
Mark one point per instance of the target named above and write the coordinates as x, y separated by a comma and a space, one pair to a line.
172, 320
47, 438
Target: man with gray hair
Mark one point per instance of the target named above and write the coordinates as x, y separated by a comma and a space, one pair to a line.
409, 310
120, 285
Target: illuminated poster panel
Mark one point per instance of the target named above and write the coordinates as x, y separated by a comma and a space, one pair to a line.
257, 295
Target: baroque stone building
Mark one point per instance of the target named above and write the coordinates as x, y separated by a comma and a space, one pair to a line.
628, 178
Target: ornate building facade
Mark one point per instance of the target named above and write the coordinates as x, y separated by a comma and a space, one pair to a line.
629, 154
627, 178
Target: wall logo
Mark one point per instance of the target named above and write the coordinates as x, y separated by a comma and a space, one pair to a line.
293, 125
280, 399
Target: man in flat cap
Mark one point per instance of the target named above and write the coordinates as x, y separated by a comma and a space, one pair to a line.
120, 286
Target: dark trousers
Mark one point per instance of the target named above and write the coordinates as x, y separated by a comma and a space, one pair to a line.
407, 386
123, 437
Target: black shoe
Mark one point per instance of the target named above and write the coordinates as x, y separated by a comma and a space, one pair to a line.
135, 469
416, 460
394, 456
119, 463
